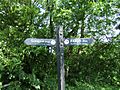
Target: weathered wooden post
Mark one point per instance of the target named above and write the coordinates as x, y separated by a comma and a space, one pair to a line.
60, 57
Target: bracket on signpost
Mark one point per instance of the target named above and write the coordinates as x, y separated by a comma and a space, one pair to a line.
60, 42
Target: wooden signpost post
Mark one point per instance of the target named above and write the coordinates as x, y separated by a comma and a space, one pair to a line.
59, 42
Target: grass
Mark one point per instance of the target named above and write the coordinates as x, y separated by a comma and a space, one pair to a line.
86, 86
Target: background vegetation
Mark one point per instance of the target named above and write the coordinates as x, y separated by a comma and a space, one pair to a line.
89, 67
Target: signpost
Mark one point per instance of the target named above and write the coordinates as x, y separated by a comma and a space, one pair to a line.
40, 42
60, 42
78, 41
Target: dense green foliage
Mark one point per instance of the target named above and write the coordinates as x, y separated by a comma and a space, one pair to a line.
89, 67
